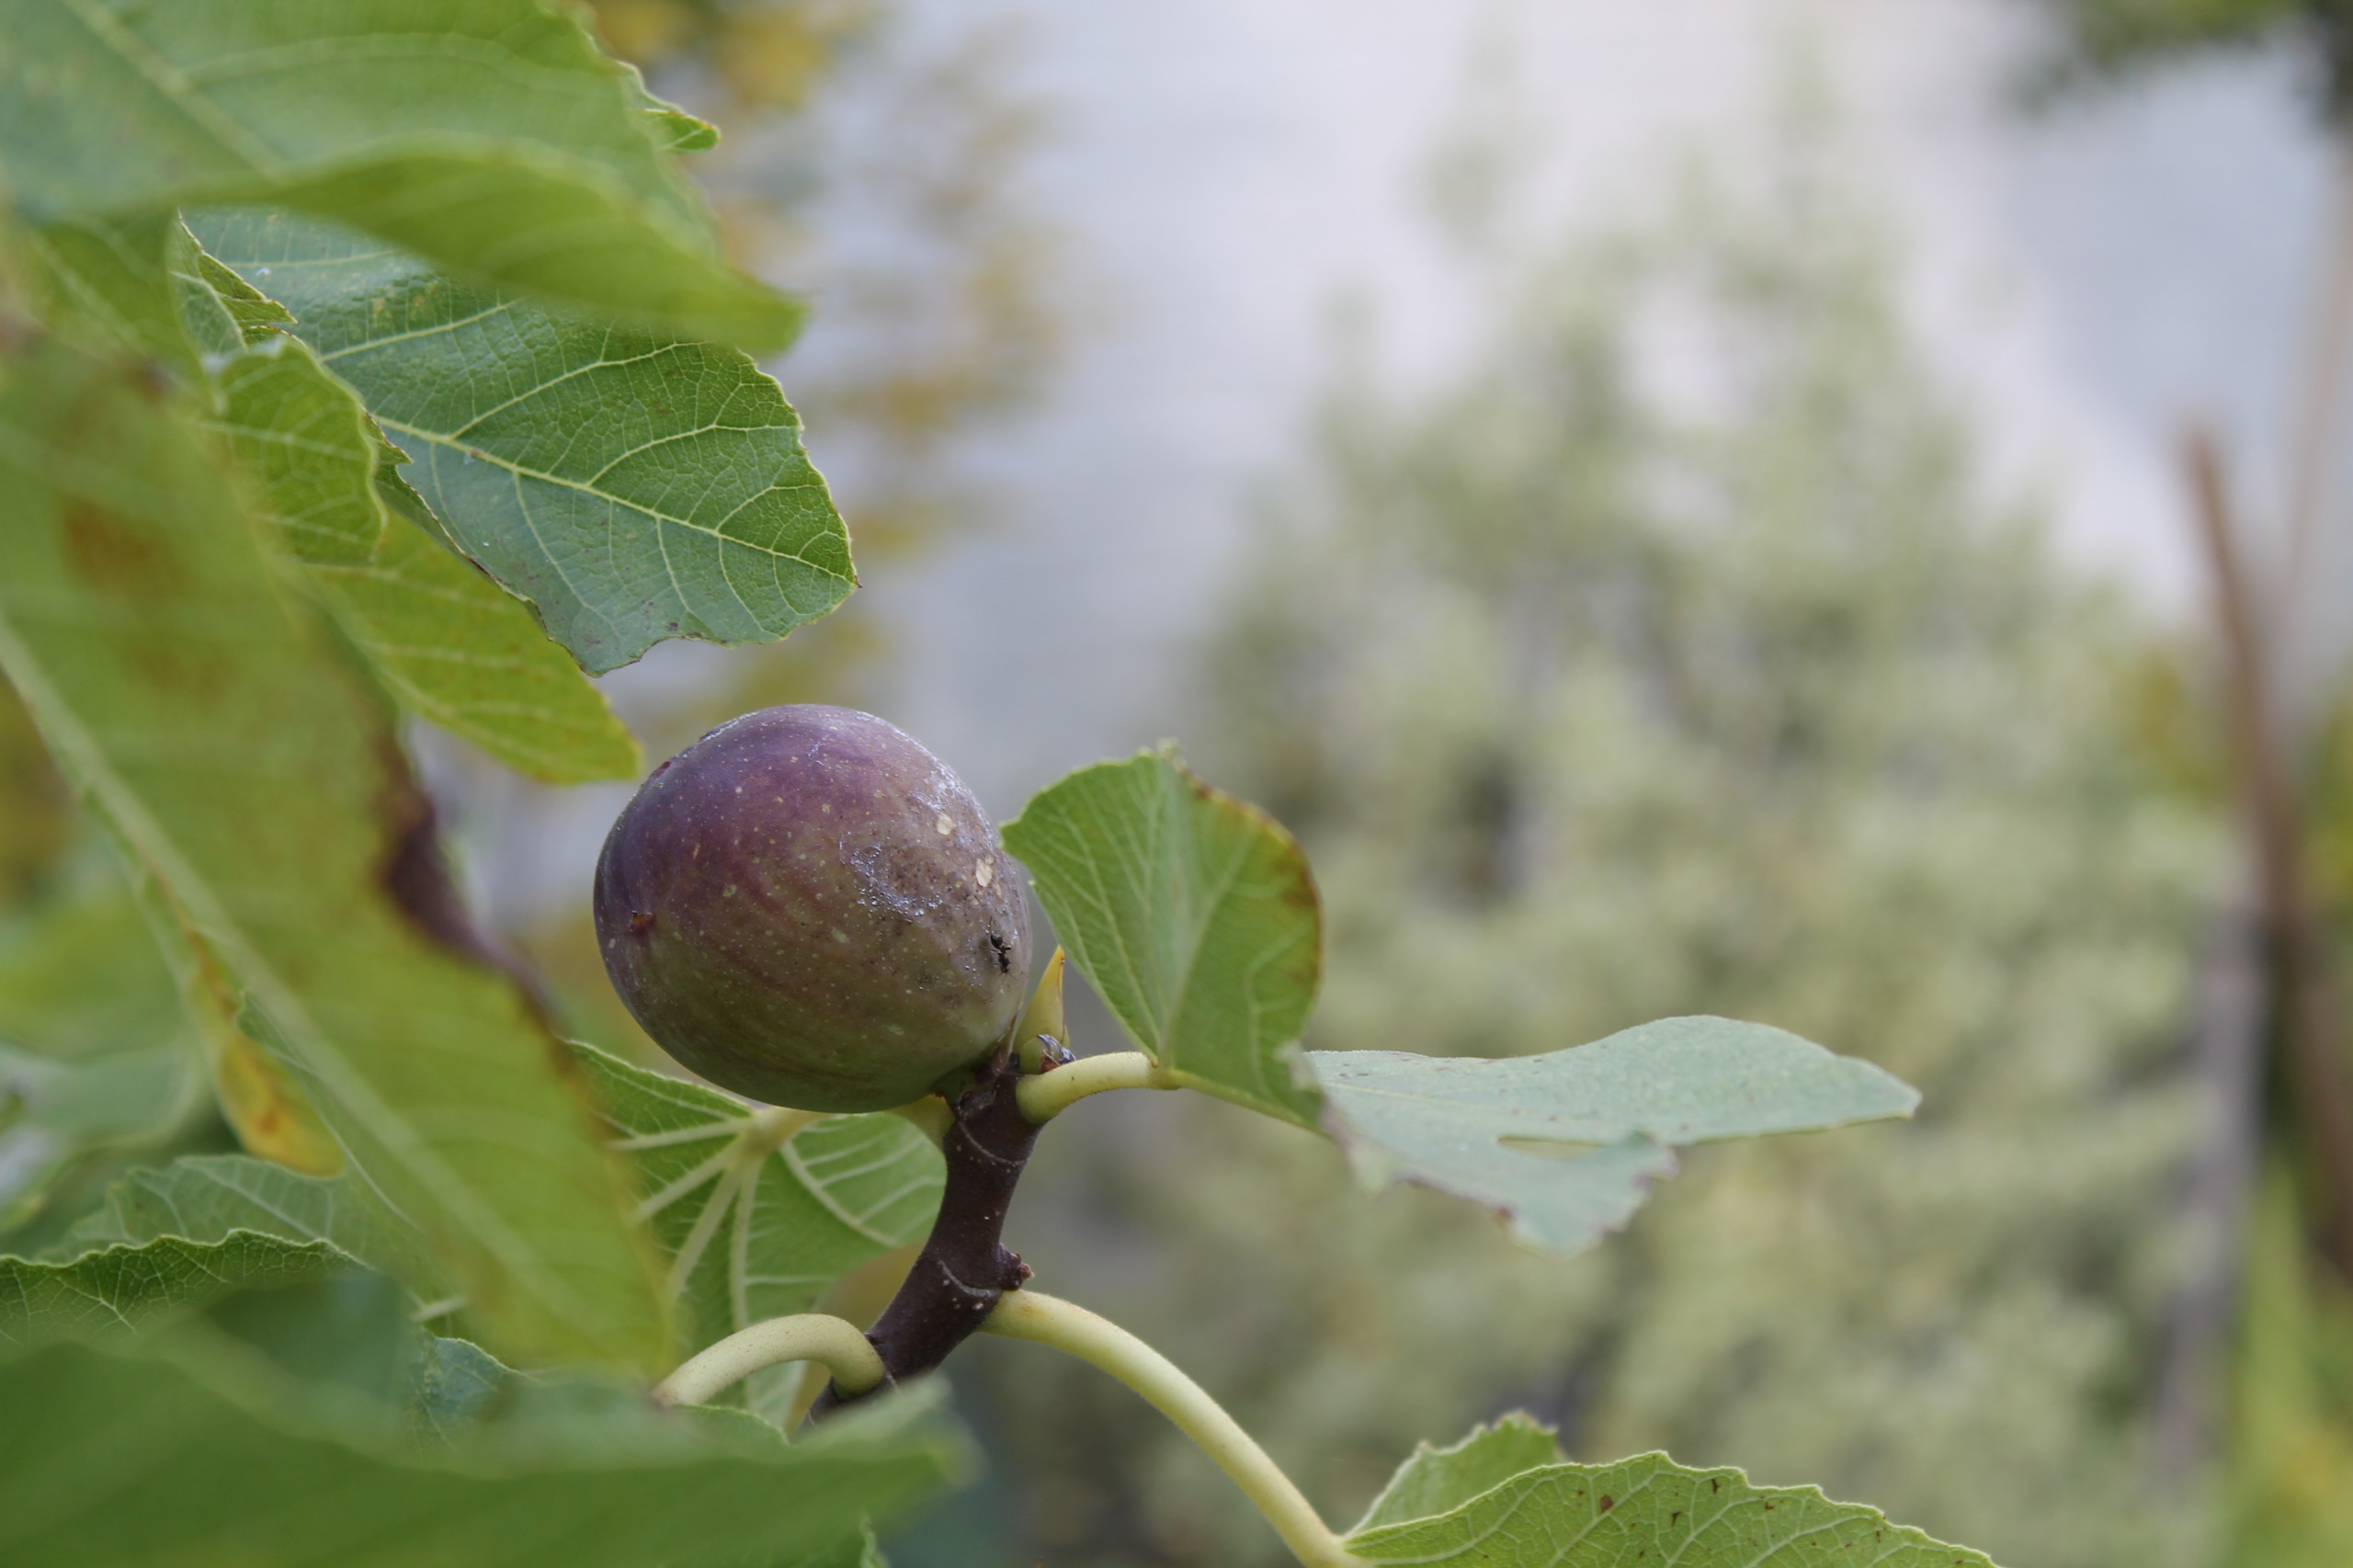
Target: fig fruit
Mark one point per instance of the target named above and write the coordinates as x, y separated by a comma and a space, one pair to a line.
807, 907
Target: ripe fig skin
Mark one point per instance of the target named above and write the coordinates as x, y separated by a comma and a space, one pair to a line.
808, 908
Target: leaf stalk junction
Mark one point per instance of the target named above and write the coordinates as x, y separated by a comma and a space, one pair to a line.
1046, 1096
964, 1280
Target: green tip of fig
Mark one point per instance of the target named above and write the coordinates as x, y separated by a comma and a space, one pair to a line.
807, 907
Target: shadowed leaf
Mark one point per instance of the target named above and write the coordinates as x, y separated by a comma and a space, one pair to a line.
170, 1462
54, 1114
246, 770
131, 1287
768, 1208
204, 1197
489, 136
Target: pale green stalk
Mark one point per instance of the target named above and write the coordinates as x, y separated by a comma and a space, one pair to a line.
833, 1342
1047, 1094
1027, 1314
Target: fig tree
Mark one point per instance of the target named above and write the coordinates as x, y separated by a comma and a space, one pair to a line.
808, 907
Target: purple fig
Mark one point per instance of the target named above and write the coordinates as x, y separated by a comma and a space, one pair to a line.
808, 908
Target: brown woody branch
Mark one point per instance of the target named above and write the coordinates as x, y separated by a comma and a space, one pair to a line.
2306, 1013
964, 1266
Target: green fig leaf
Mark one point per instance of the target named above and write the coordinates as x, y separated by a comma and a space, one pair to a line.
1648, 1509
631, 487
133, 1286
488, 135
205, 1197
1565, 1144
760, 1211
252, 777
1437, 1481
1193, 915
448, 645
169, 1457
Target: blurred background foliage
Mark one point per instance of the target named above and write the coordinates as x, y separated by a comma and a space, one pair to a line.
2104, 39
1598, 695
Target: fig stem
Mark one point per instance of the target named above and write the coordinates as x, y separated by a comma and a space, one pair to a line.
1048, 1094
963, 1267
805, 1336
929, 1116
1074, 1331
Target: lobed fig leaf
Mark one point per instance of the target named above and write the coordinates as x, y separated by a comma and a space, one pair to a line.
807, 907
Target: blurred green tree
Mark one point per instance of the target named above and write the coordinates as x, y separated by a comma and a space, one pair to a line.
1672, 661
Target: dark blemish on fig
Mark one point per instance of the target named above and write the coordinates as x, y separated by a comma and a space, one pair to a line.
1004, 953
641, 921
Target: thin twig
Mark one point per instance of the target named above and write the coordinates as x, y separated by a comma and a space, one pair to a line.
2305, 1012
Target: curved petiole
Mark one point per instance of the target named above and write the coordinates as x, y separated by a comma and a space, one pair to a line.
805, 1336
1046, 1096
1027, 1314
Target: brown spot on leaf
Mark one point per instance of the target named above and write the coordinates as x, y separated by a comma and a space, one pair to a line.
1606, 1503
118, 557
